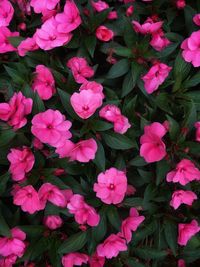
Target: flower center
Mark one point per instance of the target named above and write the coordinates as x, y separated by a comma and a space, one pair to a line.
52, 38
111, 186
29, 195
85, 108
49, 127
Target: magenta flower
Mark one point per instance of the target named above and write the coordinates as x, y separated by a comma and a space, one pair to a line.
53, 221
111, 186
99, 5
6, 12
148, 27
97, 88
41, 6
96, 261
196, 19
74, 258
5, 45
159, 41
182, 197
186, 231
27, 45
104, 34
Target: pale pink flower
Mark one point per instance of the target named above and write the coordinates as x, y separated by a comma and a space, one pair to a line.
159, 41
186, 231
6, 12
182, 197
27, 197
196, 19
44, 82
112, 246
111, 186
99, 6
152, 147
131, 224
5, 45
41, 6
51, 127
26, 46
21, 162
83, 213
51, 193
53, 221
191, 50
74, 258
94, 86
184, 173
70, 19
104, 34
155, 77
85, 103
148, 27
96, 261
14, 246
197, 126
48, 37
80, 69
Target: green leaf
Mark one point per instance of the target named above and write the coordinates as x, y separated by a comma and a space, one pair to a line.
33, 230
6, 136
193, 81
174, 128
90, 43
117, 141
100, 230
38, 104
150, 253
15, 75
3, 182
4, 228
15, 41
118, 69
181, 67
100, 160
189, 13
132, 262
137, 161
113, 217
73, 243
162, 167
133, 202
99, 126
190, 114
123, 51
170, 229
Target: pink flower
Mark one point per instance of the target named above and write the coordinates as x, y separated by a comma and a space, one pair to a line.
191, 51
180, 4
180, 196
196, 19
131, 190
5, 46
152, 147
104, 34
148, 27
6, 12
155, 77
27, 197
44, 82
51, 193
15, 111
8, 261
27, 45
80, 69
99, 6
83, 213
181, 263
159, 41
121, 124
96, 261
75, 258
14, 246
70, 19
48, 37
111, 246
129, 11
37, 144
131, 224
41, 6
85, 103
197, 126
112, 15
94, 86
184, 173
111, 186
53, 221
186, 231
51, 127
21, 162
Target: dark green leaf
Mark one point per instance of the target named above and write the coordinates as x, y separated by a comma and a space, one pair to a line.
117, 141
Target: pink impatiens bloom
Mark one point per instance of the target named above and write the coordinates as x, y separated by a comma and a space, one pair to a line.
197, 126
112, 246
14, 245
155, 77
94, 86
186, 231
70, 19
74, 259
51, 193
181, 196
5, 45
104, 34
184, 173
99, 6
51, 127
191, 51
131, 224
27, 45
96, 261
44, 82
53, 221
159, 41
80, 69
181, 263
121, 124
27, 197
152, 147
148, 27
21, 162
41, 6
83, 213
85, 103
8, 261
111, 186
48, 37
6, 12
196, 19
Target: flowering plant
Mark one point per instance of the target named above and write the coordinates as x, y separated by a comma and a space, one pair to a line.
99, 133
